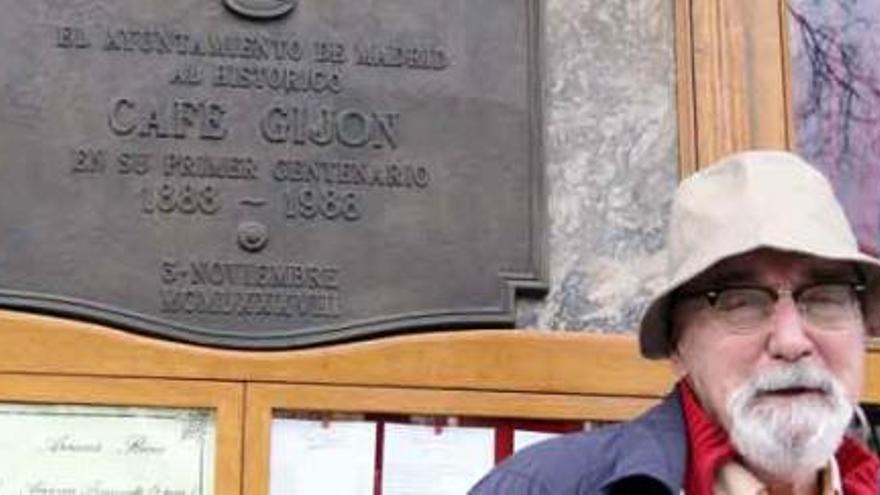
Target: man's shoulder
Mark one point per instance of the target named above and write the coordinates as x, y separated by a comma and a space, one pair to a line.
566, 464
648, 450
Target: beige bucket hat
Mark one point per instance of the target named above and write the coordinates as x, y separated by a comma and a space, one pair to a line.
757, 199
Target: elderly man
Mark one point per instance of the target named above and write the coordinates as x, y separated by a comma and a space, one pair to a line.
762, 317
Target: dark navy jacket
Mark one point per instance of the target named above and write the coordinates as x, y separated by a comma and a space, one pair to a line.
645, 456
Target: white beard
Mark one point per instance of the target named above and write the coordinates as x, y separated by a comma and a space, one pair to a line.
793, 439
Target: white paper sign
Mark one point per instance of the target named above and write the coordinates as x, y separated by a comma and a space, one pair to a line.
88, 450
420, 461
524, 438
315, 458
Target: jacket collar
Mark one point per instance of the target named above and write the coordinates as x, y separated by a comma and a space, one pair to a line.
654, 446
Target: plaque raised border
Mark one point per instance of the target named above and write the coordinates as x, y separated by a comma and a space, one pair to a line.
94, 126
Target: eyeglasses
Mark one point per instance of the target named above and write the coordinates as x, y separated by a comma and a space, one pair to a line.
746, 309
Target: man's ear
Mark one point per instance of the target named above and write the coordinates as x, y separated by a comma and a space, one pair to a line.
677, 362
673, 341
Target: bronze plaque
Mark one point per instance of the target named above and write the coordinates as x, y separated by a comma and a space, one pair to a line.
270, 173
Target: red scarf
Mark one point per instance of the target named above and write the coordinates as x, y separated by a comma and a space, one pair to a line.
708, 445
709, 448
859, 468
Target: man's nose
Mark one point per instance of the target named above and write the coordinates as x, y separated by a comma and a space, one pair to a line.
789, 339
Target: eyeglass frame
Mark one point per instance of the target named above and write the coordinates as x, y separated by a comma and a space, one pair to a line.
712, 294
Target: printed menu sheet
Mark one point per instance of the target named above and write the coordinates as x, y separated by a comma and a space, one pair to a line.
85, 450
315, 458
424, 460
524, 438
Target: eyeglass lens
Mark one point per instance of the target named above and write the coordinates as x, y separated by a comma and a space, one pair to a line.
826, 306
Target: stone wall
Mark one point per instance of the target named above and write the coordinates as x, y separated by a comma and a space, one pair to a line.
611, 160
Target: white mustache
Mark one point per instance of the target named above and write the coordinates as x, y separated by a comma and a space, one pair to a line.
794, 376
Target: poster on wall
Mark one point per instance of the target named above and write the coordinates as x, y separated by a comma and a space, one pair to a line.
835, 78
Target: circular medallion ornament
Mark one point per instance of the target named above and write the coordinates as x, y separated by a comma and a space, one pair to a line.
261, 9
252, 236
